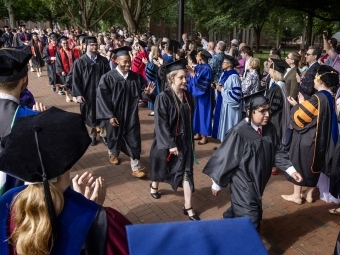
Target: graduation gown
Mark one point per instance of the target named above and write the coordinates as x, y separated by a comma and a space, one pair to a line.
280, 109
314, 138
98, 230
231, 112
85, 79
199, 86
168, 124
118, 98
37, 51
63, 65
53, 78
245, 160
8, 39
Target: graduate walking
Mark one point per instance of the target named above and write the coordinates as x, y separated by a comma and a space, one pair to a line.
245, 160
118, 95
86, 73
199, 82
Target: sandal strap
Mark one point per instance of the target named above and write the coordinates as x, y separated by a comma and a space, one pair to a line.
187, 209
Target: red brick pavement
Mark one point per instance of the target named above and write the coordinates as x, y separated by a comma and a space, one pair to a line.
286, 228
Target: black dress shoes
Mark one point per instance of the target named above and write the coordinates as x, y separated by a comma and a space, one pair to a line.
104, 140
155, 195
193, 217
94, 141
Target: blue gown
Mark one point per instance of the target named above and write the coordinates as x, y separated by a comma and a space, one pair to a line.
199, 86
219, 100
152, 76
231, 110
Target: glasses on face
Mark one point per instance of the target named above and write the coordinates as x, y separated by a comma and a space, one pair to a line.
264, 111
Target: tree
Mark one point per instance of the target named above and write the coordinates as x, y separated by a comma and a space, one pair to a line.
134, 11
10, 10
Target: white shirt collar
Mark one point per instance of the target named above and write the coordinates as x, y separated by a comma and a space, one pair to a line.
124, 76
253, 125
9, 97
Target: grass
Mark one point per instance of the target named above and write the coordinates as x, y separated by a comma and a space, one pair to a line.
262, 57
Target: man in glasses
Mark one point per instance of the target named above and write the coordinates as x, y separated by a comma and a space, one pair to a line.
306, 87
245, 160
85, 75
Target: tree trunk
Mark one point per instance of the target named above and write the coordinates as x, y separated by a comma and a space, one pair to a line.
258, 34
130, 21
309, 30
9, 7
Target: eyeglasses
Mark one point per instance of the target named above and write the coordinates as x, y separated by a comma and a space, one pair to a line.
264, 111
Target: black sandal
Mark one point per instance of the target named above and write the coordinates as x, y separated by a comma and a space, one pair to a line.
155, 195
193, 217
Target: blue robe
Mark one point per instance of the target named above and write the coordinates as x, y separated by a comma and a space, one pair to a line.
152, 76
231, 110
199, 86
219, 100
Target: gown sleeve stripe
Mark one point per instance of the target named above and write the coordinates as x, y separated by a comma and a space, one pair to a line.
302, 116
311, 108
233, 97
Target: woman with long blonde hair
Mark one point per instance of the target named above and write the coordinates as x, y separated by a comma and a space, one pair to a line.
47, 216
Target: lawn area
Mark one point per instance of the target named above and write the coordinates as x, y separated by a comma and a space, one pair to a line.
262, 57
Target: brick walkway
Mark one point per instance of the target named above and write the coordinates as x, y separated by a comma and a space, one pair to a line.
286, 228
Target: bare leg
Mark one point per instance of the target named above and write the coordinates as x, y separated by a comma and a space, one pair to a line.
204, 139
187, 197
295, 197
309, 194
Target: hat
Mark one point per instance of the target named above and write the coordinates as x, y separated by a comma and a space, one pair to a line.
81, 37
122, 51
254, 100
278, 65
49, 144
6, 26
232, 60
62, 137
177, 65
328, 75
234, 41
53, 36
205, 54
13, 63
217, 237
141, 43
89, 39
62, 38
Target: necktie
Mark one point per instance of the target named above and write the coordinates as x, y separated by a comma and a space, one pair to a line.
259, 131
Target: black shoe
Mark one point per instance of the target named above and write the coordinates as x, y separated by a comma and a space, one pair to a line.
104, 140
215, 148
193, 217
94, 141
53, 89
155, 195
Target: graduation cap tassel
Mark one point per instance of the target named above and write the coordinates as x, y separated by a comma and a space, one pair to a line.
48, 196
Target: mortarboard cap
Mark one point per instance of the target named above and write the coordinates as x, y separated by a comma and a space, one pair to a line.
121, 51
205, 54
53, 35
89, 39
278, 65
257, 99
177, 65
173, 45
6, 26
55, 137
13, 63
141, 43
218, 237
232, 60
41, 141
328, 75
62, 38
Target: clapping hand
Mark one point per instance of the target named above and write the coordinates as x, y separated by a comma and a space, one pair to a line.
39, 107
150, 88
99, 191
301, 98
83, 184
291, 101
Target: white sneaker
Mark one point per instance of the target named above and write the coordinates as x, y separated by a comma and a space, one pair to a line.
61, 93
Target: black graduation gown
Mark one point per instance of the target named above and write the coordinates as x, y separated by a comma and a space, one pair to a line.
7, 111
312, 147
53, 78
166, 116
119, 98
59, 68
245, 160
37, 60
85, 79
8, 39
276, 100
